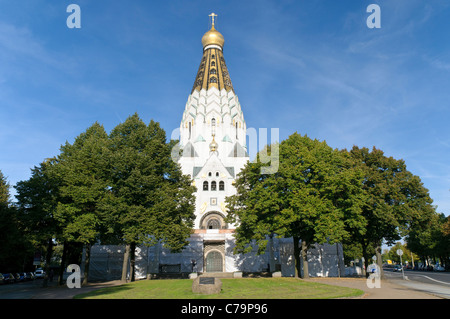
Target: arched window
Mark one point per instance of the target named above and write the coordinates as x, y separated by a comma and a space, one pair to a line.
213, 219
213, 71
236, 130
213, 223
213, 80
190, 130
205, 185
217, 174
213, 186
221, 186
213, 63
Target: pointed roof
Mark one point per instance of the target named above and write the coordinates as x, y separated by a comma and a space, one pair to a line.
212, 71
213, 163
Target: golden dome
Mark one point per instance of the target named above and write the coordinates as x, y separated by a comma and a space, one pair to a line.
213, 145
213, 37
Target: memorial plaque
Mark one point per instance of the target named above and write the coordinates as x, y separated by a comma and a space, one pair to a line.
206, 285
206, 281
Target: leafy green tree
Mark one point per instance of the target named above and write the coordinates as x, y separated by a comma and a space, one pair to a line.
37, 199
396, 200
4, 191
407, 256
299, 200
151, 200
81, 169
15, 248
430, 239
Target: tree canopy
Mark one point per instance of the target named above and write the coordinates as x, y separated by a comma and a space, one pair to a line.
120, 188
322, 195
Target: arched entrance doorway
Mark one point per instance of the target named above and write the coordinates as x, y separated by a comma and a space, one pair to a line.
214, 261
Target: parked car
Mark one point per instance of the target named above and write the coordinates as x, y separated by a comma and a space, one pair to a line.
397, 268
19, 277
439, 268
2, 279
39, 273
29, 276
9, 278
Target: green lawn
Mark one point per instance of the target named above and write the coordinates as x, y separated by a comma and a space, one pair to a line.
245, 288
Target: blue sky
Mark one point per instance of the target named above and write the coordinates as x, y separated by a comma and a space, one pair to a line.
308, 66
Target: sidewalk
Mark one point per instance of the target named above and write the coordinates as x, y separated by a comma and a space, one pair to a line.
390, 289
63, 292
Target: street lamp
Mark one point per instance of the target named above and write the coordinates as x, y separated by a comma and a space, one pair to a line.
400, 253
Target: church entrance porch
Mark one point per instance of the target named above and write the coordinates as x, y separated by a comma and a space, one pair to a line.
214, 256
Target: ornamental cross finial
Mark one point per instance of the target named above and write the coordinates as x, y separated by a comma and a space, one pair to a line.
213, 15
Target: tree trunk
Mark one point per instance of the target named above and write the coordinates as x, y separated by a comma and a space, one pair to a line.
126, 256
305, 259
296, 258
48, 258
87, 261
379, 260
132, 260
366, 258
62, 268
366, 264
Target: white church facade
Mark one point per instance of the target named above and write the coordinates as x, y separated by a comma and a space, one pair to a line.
213, 136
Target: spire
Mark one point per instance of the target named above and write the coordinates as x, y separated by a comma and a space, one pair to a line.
213, 71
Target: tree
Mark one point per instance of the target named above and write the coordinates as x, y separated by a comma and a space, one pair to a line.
15, 248
430, 239
81, 169
4, 191
150, 199
37, 200
298, 201
407, 256
396, 200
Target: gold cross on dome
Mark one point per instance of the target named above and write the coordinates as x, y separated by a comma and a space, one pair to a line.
213, 15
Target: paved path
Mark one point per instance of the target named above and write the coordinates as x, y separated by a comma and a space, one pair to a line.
390, 289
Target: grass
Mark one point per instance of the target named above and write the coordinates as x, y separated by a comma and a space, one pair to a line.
233, 288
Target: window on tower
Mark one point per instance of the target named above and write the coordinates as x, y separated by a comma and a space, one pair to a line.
221, 186
213, 80
213, 71
213, 186
213, 126
205, 185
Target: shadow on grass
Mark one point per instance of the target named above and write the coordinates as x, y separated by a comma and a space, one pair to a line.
245, 288
104, 292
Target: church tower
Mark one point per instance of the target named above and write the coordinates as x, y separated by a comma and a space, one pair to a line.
214, 150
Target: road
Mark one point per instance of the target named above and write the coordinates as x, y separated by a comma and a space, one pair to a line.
437, 283
22, 290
